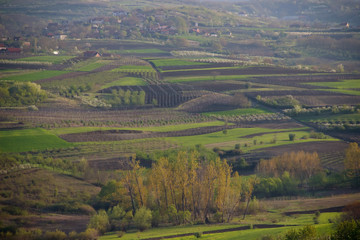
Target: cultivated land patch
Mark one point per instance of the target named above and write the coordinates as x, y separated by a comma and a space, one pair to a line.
29, 139
159, 63
35, 76
92, 66
205, 78
239, 111
166, 128
126, 81
51, 59
239, 135
350, 87
331, 117
138, 51
344, 84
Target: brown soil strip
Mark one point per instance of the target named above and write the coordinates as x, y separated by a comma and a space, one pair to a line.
331, 209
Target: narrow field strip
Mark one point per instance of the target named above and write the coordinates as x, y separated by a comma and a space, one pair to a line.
34, 76
166, 128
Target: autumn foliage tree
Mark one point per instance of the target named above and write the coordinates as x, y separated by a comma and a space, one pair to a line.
301, 165
352, 162
180, 188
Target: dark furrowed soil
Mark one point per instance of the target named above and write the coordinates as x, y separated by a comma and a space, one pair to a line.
66, 223
332, 209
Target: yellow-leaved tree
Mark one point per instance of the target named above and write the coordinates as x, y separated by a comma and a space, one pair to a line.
352, 162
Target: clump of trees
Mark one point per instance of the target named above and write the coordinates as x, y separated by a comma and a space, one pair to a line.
126, 98
352, 163
14, 94
177, 190
300, 165
281, 102
72, 91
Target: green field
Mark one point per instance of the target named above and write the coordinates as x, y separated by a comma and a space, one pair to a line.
126, 81
239, 111
235, 136
132, 67
29, 139
164, 231
91, 66
332, 117
345, 86
201, 69
97, 80
35, 76
255, 234
51, 59
345, 91
138, 51
250, 234
175, 62
206, 78
167, 128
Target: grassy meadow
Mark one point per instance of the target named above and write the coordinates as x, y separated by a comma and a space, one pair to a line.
29, 139
126, 81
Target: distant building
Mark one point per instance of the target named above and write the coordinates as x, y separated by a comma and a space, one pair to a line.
89, 54
345, 25
61, 36
120, 13
11, 50
26, 44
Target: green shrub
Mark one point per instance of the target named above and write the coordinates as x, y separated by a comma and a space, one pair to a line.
142, 219
100, 221
347, 230
57, 235
292, 136
198, 234
305, 233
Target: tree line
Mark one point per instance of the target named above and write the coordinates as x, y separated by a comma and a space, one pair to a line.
126, 98
15, 94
